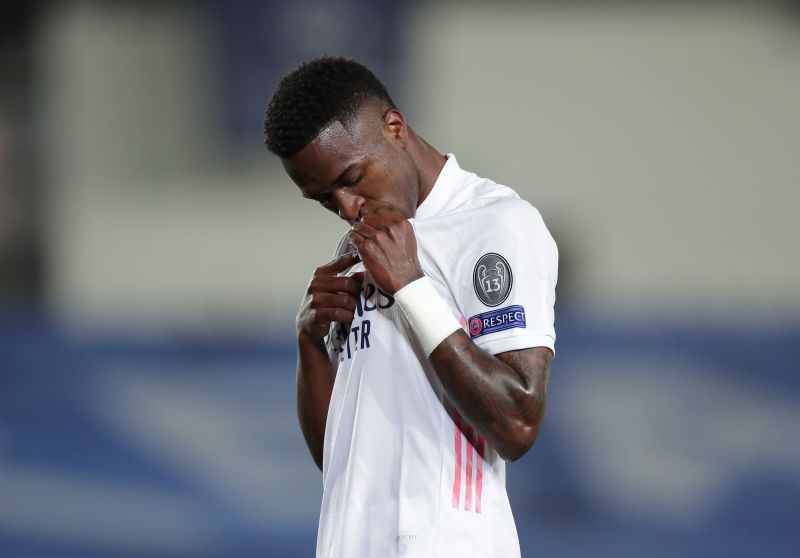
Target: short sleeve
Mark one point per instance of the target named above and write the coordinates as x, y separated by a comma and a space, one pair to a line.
508, 273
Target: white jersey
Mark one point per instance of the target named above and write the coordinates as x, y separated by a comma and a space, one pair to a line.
400, 476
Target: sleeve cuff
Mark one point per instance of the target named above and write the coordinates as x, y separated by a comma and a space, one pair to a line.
516, 343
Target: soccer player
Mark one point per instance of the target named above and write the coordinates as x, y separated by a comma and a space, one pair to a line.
424, 347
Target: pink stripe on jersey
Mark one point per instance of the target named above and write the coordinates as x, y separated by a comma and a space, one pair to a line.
479, 476
457, 475
468, 493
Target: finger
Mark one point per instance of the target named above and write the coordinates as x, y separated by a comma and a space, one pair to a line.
328, 315
366, 229
374, 221
359, 242
388, 221
385, 210
368, 248
334, 284
339, 264
382, 218
342, 301
388, 214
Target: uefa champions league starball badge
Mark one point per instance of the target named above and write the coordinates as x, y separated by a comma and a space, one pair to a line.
492, 279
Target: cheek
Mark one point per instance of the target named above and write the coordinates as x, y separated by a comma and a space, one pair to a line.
411, 186
396, 181
388, 184
403, 192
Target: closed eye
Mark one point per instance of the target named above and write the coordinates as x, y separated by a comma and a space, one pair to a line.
349, 183
326, 198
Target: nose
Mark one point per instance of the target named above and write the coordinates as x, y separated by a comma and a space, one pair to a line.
349, 204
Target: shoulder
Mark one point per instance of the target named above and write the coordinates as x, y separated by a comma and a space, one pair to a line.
505, 216
524, 222
483, 194
517, 211
479, 198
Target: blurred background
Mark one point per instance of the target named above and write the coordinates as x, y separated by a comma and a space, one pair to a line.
152, 255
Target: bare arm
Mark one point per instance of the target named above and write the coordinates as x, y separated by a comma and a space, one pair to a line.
314, 386
503, 396
328, 298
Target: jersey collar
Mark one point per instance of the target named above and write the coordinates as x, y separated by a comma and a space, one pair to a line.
441, 195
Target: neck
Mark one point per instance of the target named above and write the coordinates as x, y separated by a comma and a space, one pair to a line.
429, 165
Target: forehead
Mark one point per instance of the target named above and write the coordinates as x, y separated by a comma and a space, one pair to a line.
334, 149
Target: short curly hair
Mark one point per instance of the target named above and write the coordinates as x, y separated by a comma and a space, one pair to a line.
319, 92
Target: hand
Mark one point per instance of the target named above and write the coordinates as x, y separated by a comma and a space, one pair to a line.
386, 243
329, 298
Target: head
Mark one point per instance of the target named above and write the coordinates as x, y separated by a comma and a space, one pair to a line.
342, 140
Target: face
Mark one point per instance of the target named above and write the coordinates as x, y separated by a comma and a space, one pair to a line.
354, 171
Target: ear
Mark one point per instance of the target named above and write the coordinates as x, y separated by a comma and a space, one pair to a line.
394, 126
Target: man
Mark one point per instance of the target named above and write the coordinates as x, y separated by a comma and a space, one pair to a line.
424, 347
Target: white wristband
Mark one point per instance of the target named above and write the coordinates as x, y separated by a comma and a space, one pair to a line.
426, 312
